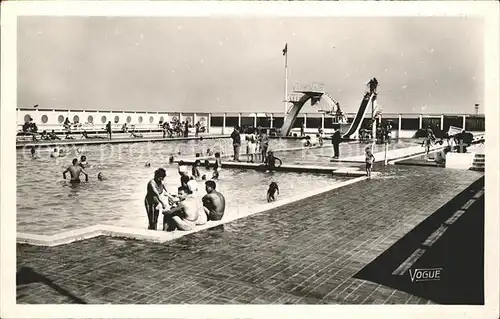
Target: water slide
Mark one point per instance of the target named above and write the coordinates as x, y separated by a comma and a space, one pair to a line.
360, 115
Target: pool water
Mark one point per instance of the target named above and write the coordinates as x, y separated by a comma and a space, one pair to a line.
47, 204
323, 155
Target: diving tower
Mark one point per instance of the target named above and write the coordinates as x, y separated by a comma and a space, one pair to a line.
301, 94
316, 92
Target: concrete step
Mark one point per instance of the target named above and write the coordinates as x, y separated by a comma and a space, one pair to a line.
479, 155
478, 165
479, 169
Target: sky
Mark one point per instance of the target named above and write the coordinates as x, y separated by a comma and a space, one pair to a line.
217, 64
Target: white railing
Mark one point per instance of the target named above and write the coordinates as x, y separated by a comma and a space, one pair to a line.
314, 87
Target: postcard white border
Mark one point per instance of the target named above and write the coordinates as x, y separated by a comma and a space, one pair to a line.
11, 10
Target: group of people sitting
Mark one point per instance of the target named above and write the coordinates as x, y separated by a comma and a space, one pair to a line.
67, 125
175, 128
455, 143
186, 209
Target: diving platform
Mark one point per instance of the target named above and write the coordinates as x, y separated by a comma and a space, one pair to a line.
310, 89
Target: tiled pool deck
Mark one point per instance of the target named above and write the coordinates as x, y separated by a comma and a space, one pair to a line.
303, 252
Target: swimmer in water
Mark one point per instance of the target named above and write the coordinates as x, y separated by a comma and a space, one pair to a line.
185, 180
75, 170
204, 177
33, 152
171, 160
271, 192
183, 171
209, 152
55, 153
153, 201
83, 161
195, 172
148, 164
61, 153
101, 177
217, 167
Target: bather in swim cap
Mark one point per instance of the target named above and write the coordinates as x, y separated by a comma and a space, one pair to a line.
193, 186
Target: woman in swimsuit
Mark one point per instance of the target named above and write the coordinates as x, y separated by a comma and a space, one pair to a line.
153, 199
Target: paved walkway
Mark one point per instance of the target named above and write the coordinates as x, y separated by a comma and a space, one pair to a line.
305, 252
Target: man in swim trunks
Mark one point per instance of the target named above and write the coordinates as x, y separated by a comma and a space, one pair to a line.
75, 170
185, 216
214, 203
153, 200
264, 144
108, 129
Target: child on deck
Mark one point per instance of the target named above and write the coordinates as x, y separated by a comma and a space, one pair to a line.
369, 159
271, 192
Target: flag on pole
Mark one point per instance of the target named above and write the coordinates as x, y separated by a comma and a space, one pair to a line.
285, 50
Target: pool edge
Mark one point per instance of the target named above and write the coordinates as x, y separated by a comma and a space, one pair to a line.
89, 232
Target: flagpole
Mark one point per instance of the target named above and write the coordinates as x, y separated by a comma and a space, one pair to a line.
285, 106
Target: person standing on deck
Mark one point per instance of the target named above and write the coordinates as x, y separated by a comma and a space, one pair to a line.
108, 129
302, 129
369, 160
236, 143
154, 202
186, 129
429, 138
198, 125
373, 85
264, 144
336, 139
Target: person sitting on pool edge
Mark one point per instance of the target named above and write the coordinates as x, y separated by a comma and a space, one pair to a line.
186, 215
53, 136
75, 170
214, 203
271, 161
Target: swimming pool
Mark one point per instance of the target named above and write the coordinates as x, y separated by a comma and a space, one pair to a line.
47, 204
323, 155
